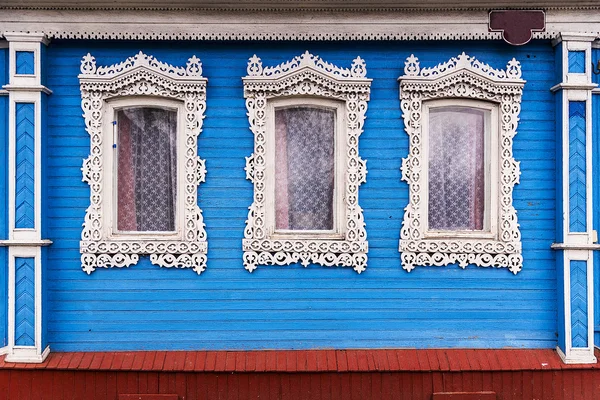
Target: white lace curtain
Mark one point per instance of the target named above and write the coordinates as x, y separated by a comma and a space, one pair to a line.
456, 168
304, 168
147, 169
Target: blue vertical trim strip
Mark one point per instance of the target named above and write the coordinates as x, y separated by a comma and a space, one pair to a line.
44, 213
579, 299
596, 197
25, 166
559, 220
577, 168
24, 301
3, 66
3, 204
577, 62
558, 65
25, 63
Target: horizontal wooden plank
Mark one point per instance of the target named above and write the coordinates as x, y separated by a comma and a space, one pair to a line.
145, 307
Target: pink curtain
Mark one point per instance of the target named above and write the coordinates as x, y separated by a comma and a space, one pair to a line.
147, 169
304, 168
456, 168
126, 220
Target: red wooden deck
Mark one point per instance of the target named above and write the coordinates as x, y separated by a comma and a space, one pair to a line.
438, 374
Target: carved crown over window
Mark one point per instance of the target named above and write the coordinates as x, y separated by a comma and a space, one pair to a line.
140, 76
306, 76
462, 77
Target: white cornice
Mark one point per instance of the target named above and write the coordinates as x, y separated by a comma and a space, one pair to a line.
302, 24
298, 4
573, 86
20, 36
575, 36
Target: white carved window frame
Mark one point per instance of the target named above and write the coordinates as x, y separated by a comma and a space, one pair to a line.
462, 81
142, 80
306, 80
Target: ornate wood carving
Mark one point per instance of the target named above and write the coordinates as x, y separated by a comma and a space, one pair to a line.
142, 75
306, 75
467, 78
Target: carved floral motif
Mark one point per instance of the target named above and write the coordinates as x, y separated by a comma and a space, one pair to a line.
467, 78
306, 75
142, 75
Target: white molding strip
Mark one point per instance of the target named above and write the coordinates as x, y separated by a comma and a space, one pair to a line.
252, 5
300, 24
25, 243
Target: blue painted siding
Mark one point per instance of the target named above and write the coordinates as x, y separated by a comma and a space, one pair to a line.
3, 199
25, 63
577, 62
577, 168
145, 307
3, 66
595, 59
24, 301
579, 314
25, 164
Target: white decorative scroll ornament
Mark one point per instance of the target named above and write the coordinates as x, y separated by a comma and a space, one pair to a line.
142, 75
306, 75
462, 77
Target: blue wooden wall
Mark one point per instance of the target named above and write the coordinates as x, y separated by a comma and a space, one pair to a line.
146, 307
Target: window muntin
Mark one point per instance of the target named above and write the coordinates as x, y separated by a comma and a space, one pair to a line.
146, 169
458, 137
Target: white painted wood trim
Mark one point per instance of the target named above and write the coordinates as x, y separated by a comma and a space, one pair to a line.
577, 246
27, 355
34, 352
570, 246
35, 99
28, 88
185, 88
25, 243
237, 23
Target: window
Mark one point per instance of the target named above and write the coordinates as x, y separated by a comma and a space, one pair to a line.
458, 138
461, 117
143, 117
308, 167
306, 116
145, 164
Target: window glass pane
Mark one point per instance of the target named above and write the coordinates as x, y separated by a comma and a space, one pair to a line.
304, 168
146, 169
456, 168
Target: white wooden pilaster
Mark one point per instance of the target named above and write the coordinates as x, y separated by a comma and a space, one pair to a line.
25, 91
575, 258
